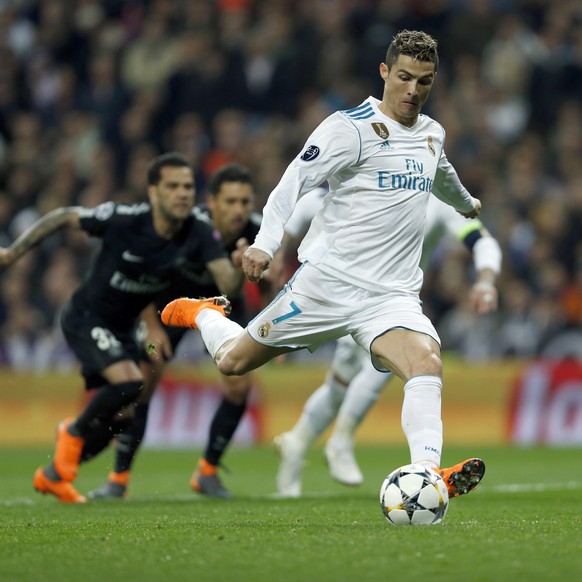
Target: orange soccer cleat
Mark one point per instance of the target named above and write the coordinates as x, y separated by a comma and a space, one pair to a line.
67, 452
62, 490
462, 477
207, 482
182, 312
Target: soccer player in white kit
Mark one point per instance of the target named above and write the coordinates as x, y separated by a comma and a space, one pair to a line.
360, 273
352, 385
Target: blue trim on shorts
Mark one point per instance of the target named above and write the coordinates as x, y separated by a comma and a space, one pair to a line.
279, 295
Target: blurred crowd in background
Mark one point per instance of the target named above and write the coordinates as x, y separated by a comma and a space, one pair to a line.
91, 90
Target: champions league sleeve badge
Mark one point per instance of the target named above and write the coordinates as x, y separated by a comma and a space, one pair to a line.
104, 211
310, 153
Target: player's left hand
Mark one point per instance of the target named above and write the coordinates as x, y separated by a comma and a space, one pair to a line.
475, 212
483, 298
254, 262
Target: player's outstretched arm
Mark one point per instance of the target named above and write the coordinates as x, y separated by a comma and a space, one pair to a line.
41, 229
242, 244
157, 343
228, 279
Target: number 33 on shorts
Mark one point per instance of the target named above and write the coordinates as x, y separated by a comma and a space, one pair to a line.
104, 339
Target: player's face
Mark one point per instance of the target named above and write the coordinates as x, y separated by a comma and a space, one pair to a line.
406, 88
231, 208
173, 196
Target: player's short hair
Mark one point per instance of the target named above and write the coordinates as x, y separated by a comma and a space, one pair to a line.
228, 173
413, 43
168, 160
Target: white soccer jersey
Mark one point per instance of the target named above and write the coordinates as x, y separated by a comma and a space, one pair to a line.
304, 211
440, 217
369, 230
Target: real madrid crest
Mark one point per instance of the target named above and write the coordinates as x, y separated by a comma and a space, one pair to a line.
264, 330
431, 146
381, 130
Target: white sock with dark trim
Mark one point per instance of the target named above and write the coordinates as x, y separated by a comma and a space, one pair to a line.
421, 419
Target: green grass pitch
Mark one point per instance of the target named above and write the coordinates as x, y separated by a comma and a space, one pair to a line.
524, 522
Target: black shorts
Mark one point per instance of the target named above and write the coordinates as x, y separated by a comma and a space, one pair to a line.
96, 343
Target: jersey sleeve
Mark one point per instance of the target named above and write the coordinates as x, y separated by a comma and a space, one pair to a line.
96, 221
448, 188
335, 144
440, 215
305, 209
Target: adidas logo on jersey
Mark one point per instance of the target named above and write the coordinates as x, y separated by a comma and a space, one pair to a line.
385, 145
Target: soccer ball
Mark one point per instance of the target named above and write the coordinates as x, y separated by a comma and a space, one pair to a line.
414, 495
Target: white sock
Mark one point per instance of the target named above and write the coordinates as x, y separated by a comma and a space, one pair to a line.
344, 431
303, 433
421, 419
319, 411
363, 392
216, 329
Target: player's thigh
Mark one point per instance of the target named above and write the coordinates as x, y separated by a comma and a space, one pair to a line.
379, 315
408, 353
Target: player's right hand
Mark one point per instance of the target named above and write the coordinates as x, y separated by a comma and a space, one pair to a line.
254, 262
475, 212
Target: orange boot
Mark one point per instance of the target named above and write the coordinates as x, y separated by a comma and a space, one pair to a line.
462, 477
182, 312
67, 452
62, 490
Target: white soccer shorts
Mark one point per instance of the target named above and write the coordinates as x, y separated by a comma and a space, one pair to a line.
314, 308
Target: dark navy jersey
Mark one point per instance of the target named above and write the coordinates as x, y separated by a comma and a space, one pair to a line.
200, 283
135, 264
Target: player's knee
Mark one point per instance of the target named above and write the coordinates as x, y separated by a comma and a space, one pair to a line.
230, 366
431, 365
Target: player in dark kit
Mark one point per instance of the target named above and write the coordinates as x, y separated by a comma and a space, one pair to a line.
143, 246
229, 209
